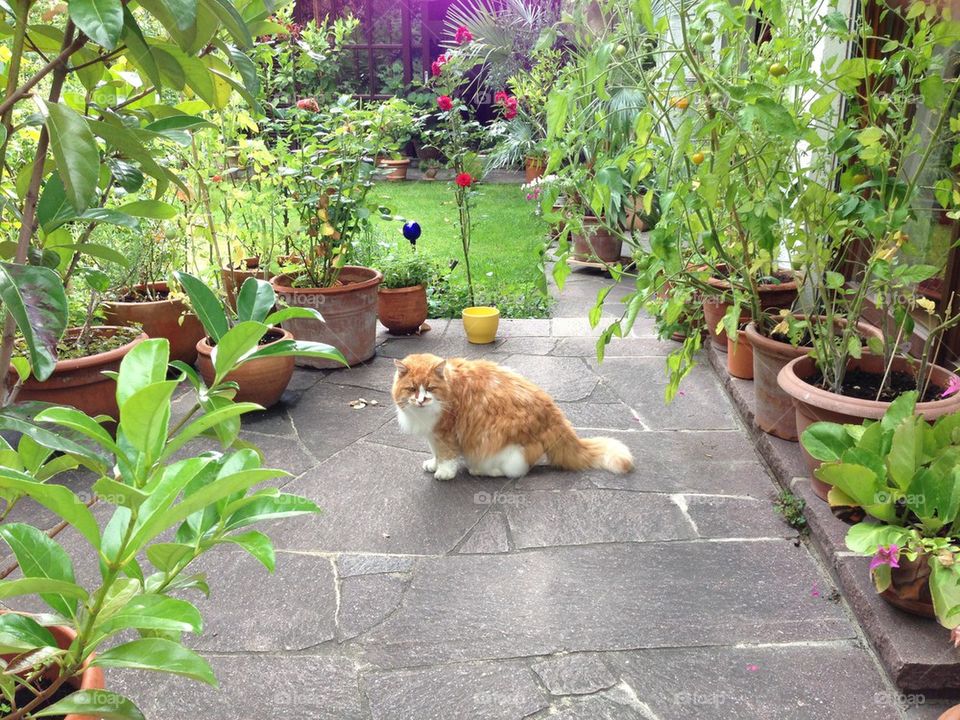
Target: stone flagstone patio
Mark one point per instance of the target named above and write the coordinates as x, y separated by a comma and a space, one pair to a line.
672, 592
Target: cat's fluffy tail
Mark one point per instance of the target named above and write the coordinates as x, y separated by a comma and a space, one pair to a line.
576, 453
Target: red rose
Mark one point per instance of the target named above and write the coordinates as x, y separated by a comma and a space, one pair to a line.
437, 66
445, 103
499, 97
463, 35
308, 104
464, 180
507, 103
216, 178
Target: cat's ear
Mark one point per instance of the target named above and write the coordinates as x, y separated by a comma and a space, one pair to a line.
401, 368
439, 368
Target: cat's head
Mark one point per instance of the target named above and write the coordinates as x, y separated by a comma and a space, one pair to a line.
419, 381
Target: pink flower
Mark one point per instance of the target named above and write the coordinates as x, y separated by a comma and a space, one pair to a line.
507, 103
815, 591
308, 104
952, 387
464, 180
752, 668
445, 103
437, 66
886, 556
463, 35
499, 97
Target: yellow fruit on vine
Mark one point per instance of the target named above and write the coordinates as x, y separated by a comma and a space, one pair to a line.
697, 158
681, 103
777, 69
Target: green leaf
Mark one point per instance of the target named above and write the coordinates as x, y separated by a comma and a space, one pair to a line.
259, 508
139, 51
906, 452
40, 557
205, 304
80, 422
58, 499
945, 591
297, 348
159, 655
153, 209
865, 538
154, 612
258, 545
247, 69
118, 493
36, 586
34, 296
255, 300
242, 339
232, 21
145, 419
826, 441
899, 410
290, 313
75, 150
93, 703
166, 556
144, 365
20, 633
205, 422
100, 20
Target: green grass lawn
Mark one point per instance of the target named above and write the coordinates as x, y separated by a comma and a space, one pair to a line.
505, 250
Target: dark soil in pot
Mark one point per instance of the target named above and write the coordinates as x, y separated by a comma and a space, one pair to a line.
151, 307
780, 295
865, 385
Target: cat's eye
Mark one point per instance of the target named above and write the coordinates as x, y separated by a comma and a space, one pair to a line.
431, 388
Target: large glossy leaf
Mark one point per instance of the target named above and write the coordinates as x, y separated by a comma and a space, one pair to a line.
205, 304
93, 703
204, 423
145, 419
159, 655
19, 633
133, 148
906, 451
20, 418
40, 557
75, 150
53, 208
290, 313
247, 69
945, 591
298, 348
138, 51
242, 339
34, 296
255, 509
152, 209
60, 500
826, 441
255, 300
144, 365
154, 612
100, 20
258, 545
865, 538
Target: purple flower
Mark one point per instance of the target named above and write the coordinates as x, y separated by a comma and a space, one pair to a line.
952, 387
886, 556
815, 591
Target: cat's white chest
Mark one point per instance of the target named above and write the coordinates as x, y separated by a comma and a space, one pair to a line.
419, 420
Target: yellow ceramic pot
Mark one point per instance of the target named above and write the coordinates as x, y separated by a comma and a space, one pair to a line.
480, 324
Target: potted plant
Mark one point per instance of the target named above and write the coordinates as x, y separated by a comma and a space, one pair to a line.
399, 125
430, 167
901, 471
740, 355
402, 296
456, 132
170, 508
327, 178
247, 347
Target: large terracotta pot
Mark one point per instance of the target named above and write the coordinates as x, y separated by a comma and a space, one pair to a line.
774, 412
398, 169
81, 383
910, 587
90, 678
951, 714
534, 167
233, 278
772, 296
260, 381
596, 242
402, 310
740, 357
165, 317
813, 404
349, 314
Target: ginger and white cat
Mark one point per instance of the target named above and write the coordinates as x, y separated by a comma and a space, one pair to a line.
497, 421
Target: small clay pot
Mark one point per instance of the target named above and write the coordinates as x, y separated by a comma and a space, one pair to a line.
596, 243
534, 167
772, 296
260, 381
740, 357
81, 383
951, 714
402, 310
398, 169
910, 587
165, 317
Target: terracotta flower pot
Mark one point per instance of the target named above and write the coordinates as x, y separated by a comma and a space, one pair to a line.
165, 317
534, 167
349, 314
81, 382
480, 324
260, 381
398, 169
951, 714
90, 678
402, 310
772, 296
596, 242
774, 412
430, 174
910, 587
740, 357
813, 404
233, 278
633, 221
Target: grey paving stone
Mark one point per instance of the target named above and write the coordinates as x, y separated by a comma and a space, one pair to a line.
378, 499
736, 517
527, 345
566, 379
581, 517
272, 421
507, 328
577, 674
618, 347
452, 346
350, 565
579, 326
640, 383
390, 434
610, 416
608, 597
756, 683
251, 610
489, 536
282, 452
478, 691
366, 600
304, 379
326, 423
375, 374
278, 687
615, 704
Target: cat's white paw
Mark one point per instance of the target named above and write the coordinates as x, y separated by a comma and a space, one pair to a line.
446, 470
430, 465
